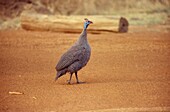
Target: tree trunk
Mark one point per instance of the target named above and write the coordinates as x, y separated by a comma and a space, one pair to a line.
72, 24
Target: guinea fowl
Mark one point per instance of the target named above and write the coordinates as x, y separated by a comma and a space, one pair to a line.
76, 57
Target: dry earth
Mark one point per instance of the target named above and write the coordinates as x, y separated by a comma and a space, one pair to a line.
129, 70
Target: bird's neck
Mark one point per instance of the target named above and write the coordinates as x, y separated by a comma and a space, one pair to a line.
83, 37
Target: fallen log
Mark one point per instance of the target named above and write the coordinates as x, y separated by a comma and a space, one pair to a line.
72, 24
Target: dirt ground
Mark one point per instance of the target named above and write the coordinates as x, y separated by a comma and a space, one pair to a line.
130, 70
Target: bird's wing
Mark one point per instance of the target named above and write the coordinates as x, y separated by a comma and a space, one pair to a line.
74, 54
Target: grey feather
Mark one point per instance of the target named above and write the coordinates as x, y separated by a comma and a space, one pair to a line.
74, 54
77, 56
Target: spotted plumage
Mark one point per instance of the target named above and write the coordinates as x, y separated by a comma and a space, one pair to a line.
76, 57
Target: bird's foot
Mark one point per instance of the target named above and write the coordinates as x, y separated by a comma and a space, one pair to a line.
68, 82
79, 82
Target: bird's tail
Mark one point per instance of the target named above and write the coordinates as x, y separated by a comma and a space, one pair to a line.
60, 73
57, 76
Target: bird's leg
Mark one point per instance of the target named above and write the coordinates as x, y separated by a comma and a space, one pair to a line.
78, 82
69, 81
77, 78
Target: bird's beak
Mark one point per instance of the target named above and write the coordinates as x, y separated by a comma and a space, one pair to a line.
91, 22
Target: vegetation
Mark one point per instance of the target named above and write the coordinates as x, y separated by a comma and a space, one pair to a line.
138, 12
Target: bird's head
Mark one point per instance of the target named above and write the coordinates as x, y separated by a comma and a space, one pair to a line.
86, 23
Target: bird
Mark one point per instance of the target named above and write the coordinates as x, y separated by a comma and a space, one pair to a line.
76, 57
